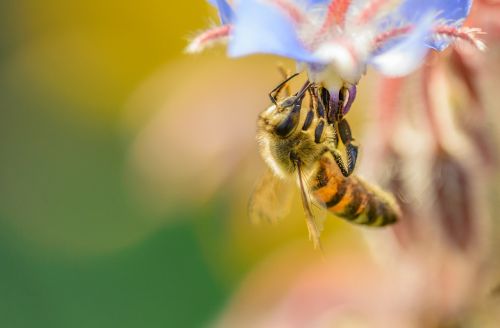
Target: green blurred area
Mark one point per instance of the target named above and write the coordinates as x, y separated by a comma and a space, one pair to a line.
76, 250
162, 282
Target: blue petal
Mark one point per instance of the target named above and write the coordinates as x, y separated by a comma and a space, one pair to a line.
262, 28
401, 58
226, 13
449, 11
317, 2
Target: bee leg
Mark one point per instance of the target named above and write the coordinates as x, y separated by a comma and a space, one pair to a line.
351, 149
345, 169
347, 140
335, 137
310, 114
323, 106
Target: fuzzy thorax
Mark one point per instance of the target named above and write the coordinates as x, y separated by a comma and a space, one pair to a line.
281, 152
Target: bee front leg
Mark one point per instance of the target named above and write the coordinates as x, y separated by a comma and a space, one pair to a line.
351, 149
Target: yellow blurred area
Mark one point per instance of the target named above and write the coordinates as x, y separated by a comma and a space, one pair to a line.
94, 52
67, 71
109, 126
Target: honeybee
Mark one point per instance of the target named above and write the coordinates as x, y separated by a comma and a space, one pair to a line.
304, 143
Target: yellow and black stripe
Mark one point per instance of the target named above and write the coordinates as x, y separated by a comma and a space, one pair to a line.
352, 198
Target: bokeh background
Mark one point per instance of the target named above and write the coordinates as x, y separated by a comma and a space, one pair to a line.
126, 165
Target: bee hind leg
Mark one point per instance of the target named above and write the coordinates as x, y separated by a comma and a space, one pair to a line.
351, 149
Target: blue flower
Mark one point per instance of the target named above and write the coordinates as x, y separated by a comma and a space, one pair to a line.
336, 40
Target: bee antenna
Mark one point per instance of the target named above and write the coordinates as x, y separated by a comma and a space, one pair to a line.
303, 90
275, 91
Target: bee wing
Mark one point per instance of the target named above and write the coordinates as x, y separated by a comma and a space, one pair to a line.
271, 199
311, 205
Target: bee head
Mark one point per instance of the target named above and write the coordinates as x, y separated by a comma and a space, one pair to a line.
282, 118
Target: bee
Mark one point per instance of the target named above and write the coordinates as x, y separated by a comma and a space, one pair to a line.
304, 143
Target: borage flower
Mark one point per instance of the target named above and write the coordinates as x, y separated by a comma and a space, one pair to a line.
336, 40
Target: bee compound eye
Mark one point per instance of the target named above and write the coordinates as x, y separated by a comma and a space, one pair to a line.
288, 101
288, 125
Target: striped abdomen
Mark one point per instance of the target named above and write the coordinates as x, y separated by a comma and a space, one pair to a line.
352, 198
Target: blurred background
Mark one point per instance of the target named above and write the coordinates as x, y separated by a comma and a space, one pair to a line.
126, 166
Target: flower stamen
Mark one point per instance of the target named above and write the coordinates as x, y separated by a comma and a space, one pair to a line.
370, 11
467, 34
208, 38
336, 13
390, 34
